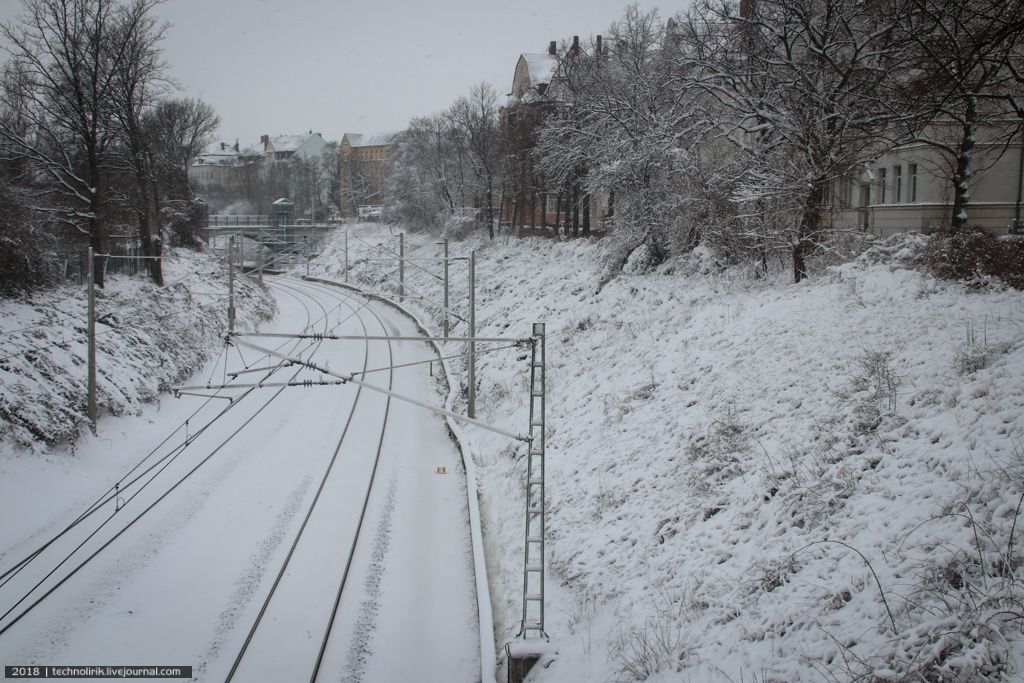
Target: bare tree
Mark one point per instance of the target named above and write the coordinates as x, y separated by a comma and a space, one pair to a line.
803, 87
178, 130
24, 237
330, 170
139, 81
476, 118
429, 170
82, 96
69, 52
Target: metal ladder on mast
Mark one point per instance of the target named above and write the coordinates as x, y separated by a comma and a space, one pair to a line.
533, 553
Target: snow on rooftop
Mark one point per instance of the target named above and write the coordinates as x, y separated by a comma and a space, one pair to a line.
219, 149
289, 143
370, 139
221, 153
541, 67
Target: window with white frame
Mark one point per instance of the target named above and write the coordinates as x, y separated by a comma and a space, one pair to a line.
881, 186
897, 183
551, 202
912, 181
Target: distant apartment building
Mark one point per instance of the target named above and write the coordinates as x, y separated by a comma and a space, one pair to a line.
222, 165
363, 159
909, 187
231, 167
284, 148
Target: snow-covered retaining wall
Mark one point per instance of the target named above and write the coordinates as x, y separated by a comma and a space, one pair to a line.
147, 338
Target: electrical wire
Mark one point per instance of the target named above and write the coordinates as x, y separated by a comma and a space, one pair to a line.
434, 360
22, 564
105, 498
100, 501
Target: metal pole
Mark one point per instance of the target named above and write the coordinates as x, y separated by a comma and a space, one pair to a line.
306, 249
446, 316
471, 396
401, 266
346, 255
259, 255
91, 332
1020, 184
231, 285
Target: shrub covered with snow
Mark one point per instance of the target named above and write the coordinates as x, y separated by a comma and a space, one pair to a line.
25, 261
975, 257
147, 338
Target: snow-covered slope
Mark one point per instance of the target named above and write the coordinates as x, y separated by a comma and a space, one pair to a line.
753, 480
147, 338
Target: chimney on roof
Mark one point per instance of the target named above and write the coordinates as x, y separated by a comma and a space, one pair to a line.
265, 141
553, 48
575, 46
236, 146
223, 146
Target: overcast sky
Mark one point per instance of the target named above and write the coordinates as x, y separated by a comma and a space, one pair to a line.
337, 66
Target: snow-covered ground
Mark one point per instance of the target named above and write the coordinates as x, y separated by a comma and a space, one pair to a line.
750, 479
147, 338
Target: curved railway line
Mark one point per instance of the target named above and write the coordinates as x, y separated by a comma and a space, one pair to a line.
39, 574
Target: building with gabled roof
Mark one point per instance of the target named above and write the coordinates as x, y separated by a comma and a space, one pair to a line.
306, 146
222, 164
531, 200
534, 72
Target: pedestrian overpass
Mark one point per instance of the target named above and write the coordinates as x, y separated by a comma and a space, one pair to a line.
253, 233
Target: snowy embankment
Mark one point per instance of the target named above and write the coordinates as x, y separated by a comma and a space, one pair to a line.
752, 480
147, 338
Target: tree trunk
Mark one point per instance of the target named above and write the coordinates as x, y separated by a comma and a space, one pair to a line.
586, 215
962, 176
544, 212
799, 266
809, 224
558, 212
490, 210
145, 211
148, 216
575, 209
533, 211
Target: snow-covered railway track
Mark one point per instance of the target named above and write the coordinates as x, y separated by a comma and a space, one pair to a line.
304, 538
331, 579
409, 612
